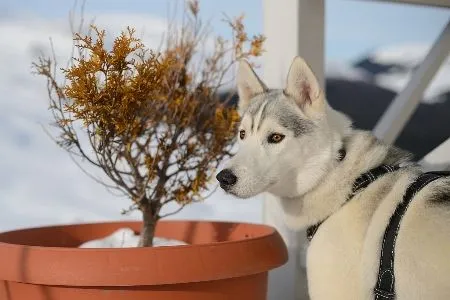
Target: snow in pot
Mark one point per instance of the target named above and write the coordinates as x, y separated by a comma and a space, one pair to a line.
126, 238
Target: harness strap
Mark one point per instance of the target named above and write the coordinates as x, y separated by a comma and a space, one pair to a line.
360, 183
367, 178
385, 287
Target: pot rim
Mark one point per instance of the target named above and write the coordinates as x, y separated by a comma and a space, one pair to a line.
129, 266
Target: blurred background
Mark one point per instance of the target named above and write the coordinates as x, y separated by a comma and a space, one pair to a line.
371, 48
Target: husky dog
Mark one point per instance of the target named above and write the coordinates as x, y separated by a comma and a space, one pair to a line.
290, 145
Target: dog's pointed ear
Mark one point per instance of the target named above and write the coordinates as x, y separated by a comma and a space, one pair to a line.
303, 87
248, 84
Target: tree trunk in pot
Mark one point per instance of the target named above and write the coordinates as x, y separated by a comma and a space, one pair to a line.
148, 227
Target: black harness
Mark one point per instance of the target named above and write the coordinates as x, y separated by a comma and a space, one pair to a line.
385, 288
360, 183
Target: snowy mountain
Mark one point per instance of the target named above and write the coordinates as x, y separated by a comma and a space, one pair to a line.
391, 68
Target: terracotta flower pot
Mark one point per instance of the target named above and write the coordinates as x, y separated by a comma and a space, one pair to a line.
224, 261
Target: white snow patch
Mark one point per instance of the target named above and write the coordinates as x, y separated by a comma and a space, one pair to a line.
342, 70
407, 55
126, 238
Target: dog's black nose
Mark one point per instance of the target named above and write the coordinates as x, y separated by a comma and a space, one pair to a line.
226, 178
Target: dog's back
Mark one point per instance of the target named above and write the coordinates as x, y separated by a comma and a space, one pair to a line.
344, 255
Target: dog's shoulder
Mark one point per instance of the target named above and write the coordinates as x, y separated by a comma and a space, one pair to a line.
440, 191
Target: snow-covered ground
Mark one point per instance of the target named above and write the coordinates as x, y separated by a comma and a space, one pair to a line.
39, 183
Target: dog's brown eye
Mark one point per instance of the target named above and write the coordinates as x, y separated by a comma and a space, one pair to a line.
275, 138
242, 134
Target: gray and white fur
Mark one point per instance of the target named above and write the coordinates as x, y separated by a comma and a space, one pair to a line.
289, 142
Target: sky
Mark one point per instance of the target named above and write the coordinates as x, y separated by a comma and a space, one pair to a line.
353, 27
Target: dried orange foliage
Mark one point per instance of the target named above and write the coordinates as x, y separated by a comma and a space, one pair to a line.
153, 119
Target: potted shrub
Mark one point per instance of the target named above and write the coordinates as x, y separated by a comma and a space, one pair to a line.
154, 123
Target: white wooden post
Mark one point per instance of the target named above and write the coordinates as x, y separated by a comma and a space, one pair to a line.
403, 106
292, 27
439, 158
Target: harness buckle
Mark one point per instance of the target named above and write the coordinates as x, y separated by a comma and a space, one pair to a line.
382, 294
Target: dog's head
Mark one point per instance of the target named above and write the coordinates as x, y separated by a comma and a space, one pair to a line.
286, 137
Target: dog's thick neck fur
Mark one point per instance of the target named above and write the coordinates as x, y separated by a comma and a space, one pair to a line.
364, 152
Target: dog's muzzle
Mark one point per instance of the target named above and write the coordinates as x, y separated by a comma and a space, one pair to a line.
226, 179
